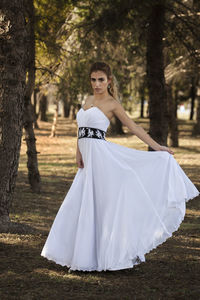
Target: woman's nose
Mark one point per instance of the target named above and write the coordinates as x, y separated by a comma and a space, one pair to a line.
97, 83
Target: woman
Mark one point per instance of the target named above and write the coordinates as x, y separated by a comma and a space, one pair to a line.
122, 202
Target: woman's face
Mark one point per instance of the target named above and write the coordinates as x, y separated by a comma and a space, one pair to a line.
99, 82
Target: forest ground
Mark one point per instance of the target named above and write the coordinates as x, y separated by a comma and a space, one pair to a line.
171, 271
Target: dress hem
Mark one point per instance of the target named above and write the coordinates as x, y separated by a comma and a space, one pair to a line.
124, 265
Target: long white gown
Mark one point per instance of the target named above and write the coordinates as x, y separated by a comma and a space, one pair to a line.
121, 205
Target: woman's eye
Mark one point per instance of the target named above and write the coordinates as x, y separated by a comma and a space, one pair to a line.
93, 79
101, 79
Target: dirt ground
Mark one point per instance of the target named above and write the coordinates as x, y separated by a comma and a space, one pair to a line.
172, 271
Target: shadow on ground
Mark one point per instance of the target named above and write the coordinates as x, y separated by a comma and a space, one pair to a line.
171, 271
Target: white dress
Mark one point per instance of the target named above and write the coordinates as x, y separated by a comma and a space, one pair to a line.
121, 205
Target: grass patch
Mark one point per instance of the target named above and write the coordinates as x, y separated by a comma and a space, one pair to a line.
171, 271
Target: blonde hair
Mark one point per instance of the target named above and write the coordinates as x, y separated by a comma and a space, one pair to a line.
113, 86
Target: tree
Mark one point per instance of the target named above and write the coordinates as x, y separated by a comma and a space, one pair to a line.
32, 163
12, 89
103, 30
196, 129
155, 24
173, 126
155, 75
42, 106
183, 46
51, 16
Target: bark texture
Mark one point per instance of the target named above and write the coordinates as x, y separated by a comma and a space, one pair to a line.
116, 126
66, 108
155, 76
192, 96
42, 107
173, 126
142, 98
35, 96
12, 88
196, 129
29, 116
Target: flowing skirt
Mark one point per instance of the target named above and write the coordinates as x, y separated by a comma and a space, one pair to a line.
121, 205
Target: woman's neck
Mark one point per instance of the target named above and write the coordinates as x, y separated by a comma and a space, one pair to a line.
100, 97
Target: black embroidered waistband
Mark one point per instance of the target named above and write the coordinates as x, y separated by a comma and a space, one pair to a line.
89, 132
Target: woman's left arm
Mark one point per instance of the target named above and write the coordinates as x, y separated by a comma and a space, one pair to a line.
119, 111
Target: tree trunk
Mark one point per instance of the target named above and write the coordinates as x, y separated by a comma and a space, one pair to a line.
192, 96
32, 163
66, 109
142, 99
176, 102
35, 96
12, 87
55, 119
173, 126
155, 76
43, 107
142, 106
196, 129
116, 126
73, 114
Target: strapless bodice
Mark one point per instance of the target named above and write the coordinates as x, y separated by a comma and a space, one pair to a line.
92, 117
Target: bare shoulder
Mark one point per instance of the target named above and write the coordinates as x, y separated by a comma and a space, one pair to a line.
88, 100
116, 105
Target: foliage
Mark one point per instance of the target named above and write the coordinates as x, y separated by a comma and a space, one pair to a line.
50, 15
71, 35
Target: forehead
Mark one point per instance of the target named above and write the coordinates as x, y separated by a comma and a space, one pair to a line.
98, 74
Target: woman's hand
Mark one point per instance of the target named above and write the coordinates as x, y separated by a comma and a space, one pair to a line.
163, 148
79, 160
